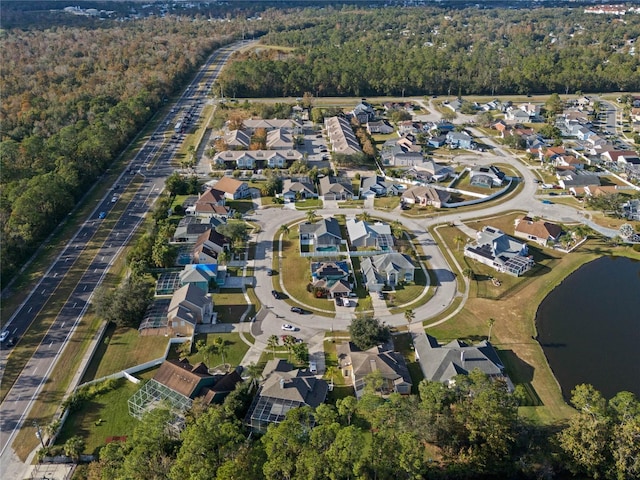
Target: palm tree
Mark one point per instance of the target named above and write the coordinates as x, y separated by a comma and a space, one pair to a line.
468, 272
311, 216
458, 240
409, 315
396, 229
272, 343
289, 342
284, 229
365, 217
221, 347
490, 322
331, 373
254, 372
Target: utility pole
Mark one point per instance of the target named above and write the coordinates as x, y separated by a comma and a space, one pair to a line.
38, 432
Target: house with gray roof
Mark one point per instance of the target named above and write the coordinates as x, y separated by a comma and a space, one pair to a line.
400, 154
379, 126
297, 189
190, 228
424, 195
341, 136
237, 139
459, 140
442, 363
372, 235
388, 269
358, 364
284, 388
189, 307
578, 178
377, 186
498, 250
333, 189
486, 176
322, 235
331, 278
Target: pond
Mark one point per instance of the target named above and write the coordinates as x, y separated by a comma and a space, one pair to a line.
589, 327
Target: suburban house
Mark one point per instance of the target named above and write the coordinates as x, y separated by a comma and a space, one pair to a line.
498, 250
459, 140
363, 112
373, 235
578, 178
299, 189
379, 126
539, 231
233, 189
209, 204
358, 364
442, 363
516, 115
426, 195
454, 105
190, 228
437, 141
323, 235
377, 186
341, 136
203, 275
430, 171
631, 210
284, 388
189, 307
331, 278
179, 383
208, 246
401, 152
333, 189
487, 177
387, 269
621, 157
568, 161
257, 159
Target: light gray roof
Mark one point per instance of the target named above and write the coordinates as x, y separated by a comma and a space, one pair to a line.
284, 382
359, 229
325, 226
442, 363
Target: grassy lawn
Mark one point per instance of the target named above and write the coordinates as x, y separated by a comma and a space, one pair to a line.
230, 304
351, 204
235, 352
386, 203
123, 348
308, 204
243, 206
111, 407
295, 273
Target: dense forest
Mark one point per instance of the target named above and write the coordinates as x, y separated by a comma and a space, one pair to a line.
469, 431
71, 100
417, 51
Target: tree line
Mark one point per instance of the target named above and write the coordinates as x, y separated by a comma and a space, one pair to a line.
471, 430
72, 99
413, 51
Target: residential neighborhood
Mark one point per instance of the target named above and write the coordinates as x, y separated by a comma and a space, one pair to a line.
296, 233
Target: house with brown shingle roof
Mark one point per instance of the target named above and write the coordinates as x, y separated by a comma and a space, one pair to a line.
359, 364
178, 383
426, 195
539, 231
233, 189
208, 246
211, 204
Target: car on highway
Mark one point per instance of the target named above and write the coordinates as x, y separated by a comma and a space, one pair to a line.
101, 215
276, 294
12, 341
269, 272
297, 310
288, 327
4, 335
114, 199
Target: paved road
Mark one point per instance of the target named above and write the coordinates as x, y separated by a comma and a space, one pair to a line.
153, 164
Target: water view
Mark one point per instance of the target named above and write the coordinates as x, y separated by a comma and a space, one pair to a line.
589, 327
